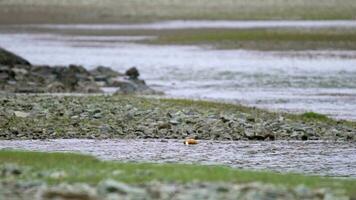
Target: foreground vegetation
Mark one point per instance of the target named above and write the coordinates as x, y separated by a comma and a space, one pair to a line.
56, 168
104, 11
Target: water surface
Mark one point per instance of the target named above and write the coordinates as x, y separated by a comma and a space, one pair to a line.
311, 157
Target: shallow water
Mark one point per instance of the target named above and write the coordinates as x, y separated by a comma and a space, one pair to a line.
319, 81
322, 158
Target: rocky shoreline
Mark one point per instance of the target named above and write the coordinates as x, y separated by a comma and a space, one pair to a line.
17, 75
111, 189
133, 117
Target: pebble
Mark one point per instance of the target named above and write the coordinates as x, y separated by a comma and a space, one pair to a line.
21, 114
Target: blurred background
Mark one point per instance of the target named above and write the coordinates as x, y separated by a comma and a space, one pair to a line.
295, 56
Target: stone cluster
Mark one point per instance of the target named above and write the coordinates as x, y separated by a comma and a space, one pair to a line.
120, 116
18, 76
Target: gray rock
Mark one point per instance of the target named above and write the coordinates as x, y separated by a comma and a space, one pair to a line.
111, 186
104, 73
10, 170
56, 87
17, 75
21, 114
39, 79
134, 86
67, 192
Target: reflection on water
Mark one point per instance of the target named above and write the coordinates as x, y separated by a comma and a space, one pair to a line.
323, 158
320, 81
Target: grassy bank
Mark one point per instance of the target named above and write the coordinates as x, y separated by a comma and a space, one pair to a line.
107, 11
102, 117
78, 168
264, 39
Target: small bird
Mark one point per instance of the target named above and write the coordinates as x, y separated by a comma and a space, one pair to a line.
190, 142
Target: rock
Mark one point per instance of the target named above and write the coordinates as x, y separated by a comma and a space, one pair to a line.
134, 86
19, 76
164, 125
39, 79
10, 170
111, 186
21, 114
125, 87
56, 87
132, 73
10, 59
303, 192
127, 84
58, 175
251, 119
105, 129
68, 192
104, 73
73, 76
6, 74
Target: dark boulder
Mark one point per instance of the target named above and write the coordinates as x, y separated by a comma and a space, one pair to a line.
8, 58
132, 73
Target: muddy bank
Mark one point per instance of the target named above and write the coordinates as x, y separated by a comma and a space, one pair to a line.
103, 117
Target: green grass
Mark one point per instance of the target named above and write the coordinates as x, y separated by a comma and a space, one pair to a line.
87, 169
263, 39
315, 116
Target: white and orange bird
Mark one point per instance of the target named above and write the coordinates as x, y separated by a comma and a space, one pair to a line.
190, 141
